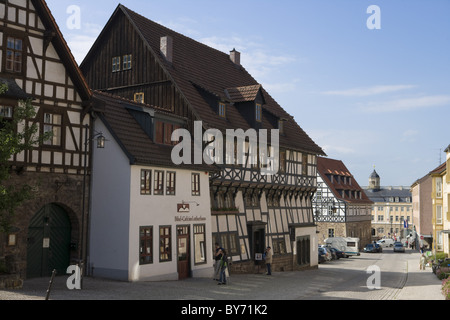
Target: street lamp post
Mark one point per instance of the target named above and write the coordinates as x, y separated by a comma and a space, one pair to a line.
101, 141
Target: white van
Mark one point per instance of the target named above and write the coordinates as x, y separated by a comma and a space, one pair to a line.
350, 246
384, 243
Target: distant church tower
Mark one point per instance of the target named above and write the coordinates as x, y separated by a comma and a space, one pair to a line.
374, 181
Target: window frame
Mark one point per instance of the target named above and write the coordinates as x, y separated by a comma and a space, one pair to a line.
14, 51
258, 112
171, 190
146, 188
116, 64
222, 110
47, 125
127, 62
139, 97
196, 192
158, 183
165, 241
143, 245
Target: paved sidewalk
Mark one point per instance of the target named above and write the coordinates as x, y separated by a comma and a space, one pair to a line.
421, 284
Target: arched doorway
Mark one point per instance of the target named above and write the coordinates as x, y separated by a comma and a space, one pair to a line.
48, 247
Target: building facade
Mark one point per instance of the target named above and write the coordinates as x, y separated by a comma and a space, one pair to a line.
446, 191
48, 231
437, 200
340, 205
138, 59
422, 212
151, 220
391, 211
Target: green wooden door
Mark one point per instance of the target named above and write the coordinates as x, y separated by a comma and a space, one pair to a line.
49, 235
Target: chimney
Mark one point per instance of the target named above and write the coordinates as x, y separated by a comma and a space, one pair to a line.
167, 48
235, 56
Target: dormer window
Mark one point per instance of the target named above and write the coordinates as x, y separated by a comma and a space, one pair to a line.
222, 110
14, 55
258, 112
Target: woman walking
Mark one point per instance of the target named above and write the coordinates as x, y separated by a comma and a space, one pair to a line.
223, 267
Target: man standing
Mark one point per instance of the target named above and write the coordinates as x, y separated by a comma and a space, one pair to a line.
217, 258
268, 256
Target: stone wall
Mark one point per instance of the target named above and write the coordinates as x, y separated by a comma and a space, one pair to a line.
284, 263
50, 188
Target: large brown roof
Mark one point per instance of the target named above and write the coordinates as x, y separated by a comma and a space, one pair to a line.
134, 141
196, 65
327, 167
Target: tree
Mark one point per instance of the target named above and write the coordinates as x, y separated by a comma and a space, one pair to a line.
13, 141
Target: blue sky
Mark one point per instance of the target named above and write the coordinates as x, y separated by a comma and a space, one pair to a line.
370, 98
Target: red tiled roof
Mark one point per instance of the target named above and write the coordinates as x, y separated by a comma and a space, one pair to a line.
326, 166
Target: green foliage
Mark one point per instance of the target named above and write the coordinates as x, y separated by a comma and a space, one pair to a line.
16, 136
446, 288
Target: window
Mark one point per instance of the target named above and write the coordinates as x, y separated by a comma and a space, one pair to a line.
196, 184
258, 112
146, 182
158, 188
170, 183
6, 115
6, 112
14, 55
126, 62
228, 241
165, 244
53, 124
279, 246
139, 97
115, 64
146, 245
330, 233
438, 214
283, 161
305, 165
222, 110
439, 187
164, 131
199, 244
303, 250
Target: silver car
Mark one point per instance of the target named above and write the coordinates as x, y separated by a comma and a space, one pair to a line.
398, 247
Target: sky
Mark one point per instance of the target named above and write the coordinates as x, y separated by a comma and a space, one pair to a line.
370, 85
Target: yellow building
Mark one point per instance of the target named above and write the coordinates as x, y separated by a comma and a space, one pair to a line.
446, 190
437, 198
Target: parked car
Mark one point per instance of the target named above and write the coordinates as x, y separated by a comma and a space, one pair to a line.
373, 248
338, 253
398, 247
322, 255
386, 243
329, 255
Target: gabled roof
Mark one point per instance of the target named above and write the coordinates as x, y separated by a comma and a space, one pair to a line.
196, 67
62, 49
326, 167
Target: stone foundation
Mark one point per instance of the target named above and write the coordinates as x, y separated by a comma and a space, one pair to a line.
10, 282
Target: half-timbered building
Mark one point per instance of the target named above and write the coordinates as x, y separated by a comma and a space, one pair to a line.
138, 59
341, 207
36, 64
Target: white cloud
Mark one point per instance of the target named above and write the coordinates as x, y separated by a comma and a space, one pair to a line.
407, 104
369, 91
80, 45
